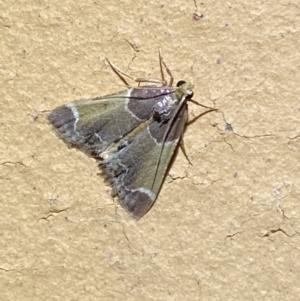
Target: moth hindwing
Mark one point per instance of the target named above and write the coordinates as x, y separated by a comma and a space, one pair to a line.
133, 132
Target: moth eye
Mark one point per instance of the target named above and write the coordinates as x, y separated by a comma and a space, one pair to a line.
190, 96
181, 82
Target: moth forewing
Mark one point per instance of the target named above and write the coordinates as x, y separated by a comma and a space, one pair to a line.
124, 141
177, 120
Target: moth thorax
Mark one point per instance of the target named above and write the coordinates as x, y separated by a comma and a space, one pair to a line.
161, 110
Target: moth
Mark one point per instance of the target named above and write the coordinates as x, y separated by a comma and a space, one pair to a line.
133, 133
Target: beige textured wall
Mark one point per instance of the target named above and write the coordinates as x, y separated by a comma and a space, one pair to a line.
226, 228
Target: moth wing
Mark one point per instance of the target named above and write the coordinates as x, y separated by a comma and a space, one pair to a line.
94, 124
137, 168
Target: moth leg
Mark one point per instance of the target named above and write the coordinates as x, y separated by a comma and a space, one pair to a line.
202, 114
201, 105
162, 81
181, 144
150, 80
162, 63
119, 72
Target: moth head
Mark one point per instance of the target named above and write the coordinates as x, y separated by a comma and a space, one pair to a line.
184, 90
